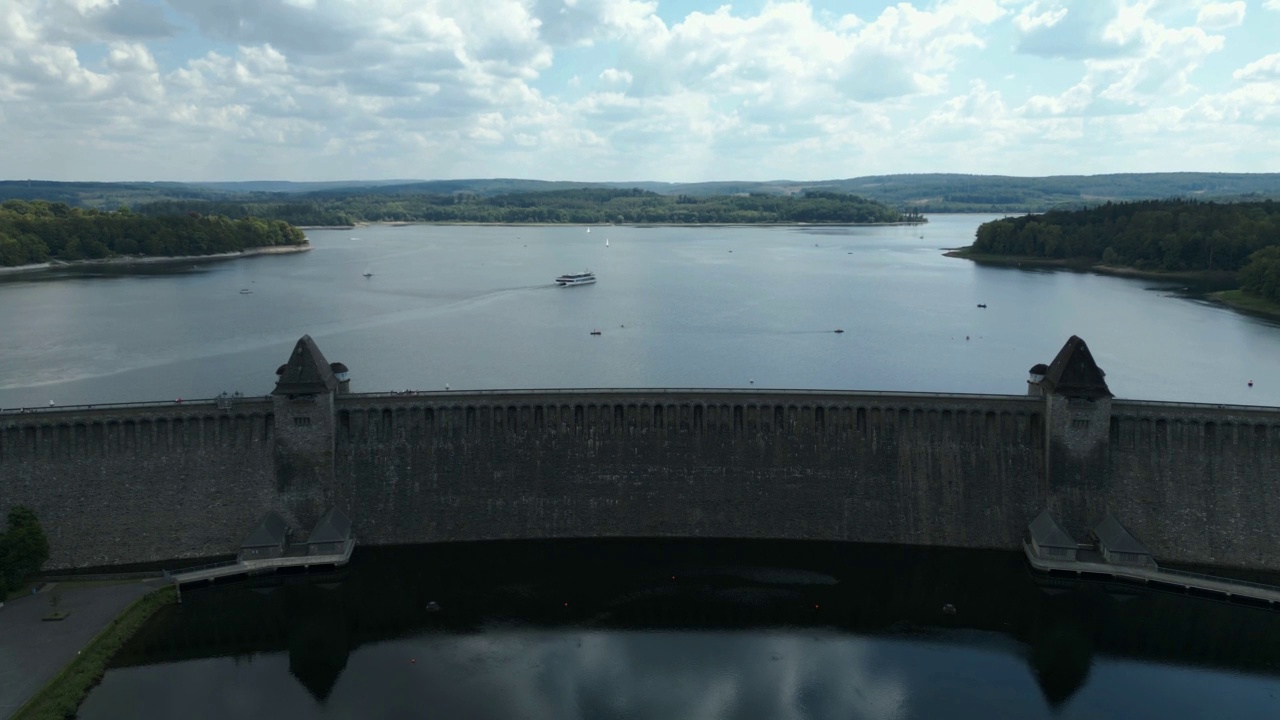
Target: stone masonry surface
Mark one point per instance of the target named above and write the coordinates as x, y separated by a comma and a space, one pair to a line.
1196, 483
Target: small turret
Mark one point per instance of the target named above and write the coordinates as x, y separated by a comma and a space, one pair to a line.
1035, 383
344, 378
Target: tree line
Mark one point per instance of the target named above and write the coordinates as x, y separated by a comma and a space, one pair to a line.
38, 231
579, 206
1162, 235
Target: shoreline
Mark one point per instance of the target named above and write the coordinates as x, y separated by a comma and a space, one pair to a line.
1086, 265
1240, 301
1233, 299
406, 223
153, 259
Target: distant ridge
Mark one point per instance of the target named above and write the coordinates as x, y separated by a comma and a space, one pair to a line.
925, 192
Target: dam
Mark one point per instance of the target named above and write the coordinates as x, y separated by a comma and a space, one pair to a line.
139, 483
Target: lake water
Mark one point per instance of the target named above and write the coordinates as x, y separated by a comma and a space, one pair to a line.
639, 629
667, 630
474, 307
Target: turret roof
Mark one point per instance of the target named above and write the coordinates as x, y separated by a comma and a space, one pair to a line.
1048, 533
307, 372
333, 526
1074, 373
1115, 537
270, 532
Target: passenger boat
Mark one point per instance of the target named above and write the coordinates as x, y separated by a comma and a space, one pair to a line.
583, 278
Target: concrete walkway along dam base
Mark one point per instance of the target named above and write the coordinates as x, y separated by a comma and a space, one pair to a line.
154, 482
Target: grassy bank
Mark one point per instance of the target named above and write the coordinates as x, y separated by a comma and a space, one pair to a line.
62, 696
1241, 300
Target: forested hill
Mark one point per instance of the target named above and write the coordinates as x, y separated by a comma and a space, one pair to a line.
1168, 235
582, 205
34, 232
926, 192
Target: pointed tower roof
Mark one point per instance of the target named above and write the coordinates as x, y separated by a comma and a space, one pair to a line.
1075, 374
1048, 533
307, 372
333, 526
1114, 535
270, 532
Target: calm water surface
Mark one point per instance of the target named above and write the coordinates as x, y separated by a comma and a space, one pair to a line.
645, 629
669, 630
474, 307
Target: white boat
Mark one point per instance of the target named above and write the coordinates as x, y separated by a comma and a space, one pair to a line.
246, 291
583, 278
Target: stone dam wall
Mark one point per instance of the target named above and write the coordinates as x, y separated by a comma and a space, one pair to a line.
959, 471
140, 483
122, 485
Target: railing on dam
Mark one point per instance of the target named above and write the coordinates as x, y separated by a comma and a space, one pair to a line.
223, 403
214, 402
745, 392
1127, 404
1118, 403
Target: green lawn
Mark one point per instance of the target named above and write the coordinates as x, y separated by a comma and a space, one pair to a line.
64, 693
1248, 302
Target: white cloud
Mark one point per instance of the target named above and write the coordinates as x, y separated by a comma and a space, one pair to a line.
1256, 104
1075, 101
1267, 68
615, 77
1271, 4
1078, 28
786, 50
1220, 16
602, 89
1131, 60
581, 22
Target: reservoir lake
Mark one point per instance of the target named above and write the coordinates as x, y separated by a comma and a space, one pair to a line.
641, 629
475, 307
693, 630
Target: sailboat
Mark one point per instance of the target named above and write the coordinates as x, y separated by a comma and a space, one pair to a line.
588, 229
368, 272
606, 242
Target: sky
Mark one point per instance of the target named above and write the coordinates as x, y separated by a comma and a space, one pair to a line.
616, 90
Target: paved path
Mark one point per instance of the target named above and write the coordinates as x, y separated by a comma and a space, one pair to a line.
33, 651
297, 557
1090, 561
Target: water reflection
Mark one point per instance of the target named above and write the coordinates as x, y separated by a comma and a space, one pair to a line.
689, 629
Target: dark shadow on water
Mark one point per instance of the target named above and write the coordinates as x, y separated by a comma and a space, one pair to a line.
1056, 627
112, 272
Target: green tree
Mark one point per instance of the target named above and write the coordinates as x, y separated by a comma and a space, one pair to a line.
1262, 275
23, 549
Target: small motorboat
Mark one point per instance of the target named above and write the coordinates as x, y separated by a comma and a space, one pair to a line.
838, 331
246, 291
982, 305
596, 332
